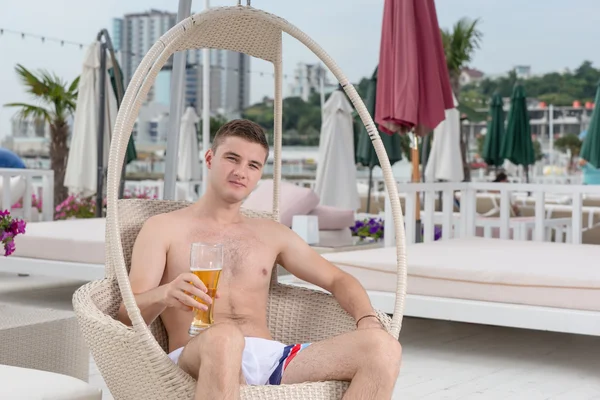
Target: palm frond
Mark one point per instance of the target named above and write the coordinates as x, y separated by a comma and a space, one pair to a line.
58, 97
30, 110
74, 86
460, 43
33, 84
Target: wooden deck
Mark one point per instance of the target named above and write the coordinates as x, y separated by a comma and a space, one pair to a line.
442, 360
451, 361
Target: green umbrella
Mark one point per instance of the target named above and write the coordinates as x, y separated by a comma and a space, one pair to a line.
590, 149
517, 146
495, 132
365, 151
131, 154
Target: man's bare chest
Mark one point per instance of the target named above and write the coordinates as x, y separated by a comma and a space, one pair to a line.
246, 258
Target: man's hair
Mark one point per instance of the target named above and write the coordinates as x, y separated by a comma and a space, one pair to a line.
244, 129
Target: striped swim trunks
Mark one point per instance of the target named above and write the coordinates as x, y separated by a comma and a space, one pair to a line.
289, 352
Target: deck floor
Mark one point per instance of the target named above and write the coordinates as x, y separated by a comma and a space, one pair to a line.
442, 360
448, 360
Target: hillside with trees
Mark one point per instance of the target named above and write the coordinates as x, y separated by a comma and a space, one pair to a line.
560, 89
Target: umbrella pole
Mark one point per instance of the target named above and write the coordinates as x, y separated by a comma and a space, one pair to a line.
416, 177
100, 137
176, 109
369, 190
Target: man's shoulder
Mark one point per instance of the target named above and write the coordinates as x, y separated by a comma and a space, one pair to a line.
161, 224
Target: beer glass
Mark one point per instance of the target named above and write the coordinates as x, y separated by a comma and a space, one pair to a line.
206, 262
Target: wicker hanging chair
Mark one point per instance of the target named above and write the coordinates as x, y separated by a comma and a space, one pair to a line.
133, 360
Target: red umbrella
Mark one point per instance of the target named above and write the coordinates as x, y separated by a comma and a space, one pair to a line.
413, 88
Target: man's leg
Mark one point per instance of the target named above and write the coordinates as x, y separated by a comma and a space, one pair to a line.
369, 358
214, 358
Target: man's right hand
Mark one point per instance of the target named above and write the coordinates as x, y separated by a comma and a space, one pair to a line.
178, 293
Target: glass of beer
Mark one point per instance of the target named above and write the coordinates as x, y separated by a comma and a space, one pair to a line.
206, 262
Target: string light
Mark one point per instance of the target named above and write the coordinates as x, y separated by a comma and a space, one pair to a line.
45, 39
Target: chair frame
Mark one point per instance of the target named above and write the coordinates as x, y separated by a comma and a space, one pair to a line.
258, 34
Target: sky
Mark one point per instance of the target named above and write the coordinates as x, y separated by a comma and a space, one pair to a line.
549, 35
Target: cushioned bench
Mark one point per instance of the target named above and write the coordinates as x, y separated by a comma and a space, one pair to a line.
72, 249
32, 384
551, 286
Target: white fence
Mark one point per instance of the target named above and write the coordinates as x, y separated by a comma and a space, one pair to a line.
467, 221
22, 184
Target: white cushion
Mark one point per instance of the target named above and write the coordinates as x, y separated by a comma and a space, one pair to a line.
294, 200
17, 189
509, 271
32, 384
75, 240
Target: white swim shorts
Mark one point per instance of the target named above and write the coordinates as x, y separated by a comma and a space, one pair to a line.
263, 360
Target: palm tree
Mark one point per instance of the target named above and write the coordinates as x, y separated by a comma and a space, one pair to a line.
56, 102
569, 144
459, 46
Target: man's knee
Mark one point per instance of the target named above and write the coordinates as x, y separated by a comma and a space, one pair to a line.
383, 350
222, 339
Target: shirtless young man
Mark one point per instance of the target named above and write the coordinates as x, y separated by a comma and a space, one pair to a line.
238, 348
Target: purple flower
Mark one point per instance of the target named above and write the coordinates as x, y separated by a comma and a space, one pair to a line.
6, 236
9, 248
4, 213
17, 226
373, 230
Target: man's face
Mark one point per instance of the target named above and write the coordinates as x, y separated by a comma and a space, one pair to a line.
235, 168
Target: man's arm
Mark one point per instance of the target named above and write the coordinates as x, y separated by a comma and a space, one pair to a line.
148, 263
301, 260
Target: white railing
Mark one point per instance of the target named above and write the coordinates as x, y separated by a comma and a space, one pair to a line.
466, 222
20, 184
188, 190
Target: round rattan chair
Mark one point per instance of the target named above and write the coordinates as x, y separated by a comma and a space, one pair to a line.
133, 360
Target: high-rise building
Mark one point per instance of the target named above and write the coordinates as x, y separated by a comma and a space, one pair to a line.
134, 34
307, 79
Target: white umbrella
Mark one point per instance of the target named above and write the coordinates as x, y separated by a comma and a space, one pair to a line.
445, 161
82, 164
336, 171
188, 161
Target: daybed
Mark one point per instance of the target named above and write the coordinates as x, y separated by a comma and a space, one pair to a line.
535, 285
70, 248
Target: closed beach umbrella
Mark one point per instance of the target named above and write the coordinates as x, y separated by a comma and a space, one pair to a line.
131, 153
495, 132
413, 88
81, 175
590, 149
517, 146
413, 85
365, 151
336, 171
445, 160
188, 160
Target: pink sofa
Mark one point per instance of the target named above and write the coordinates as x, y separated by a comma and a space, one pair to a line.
297, 200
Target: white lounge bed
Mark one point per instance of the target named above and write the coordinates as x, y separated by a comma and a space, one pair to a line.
546, 286
72, 249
